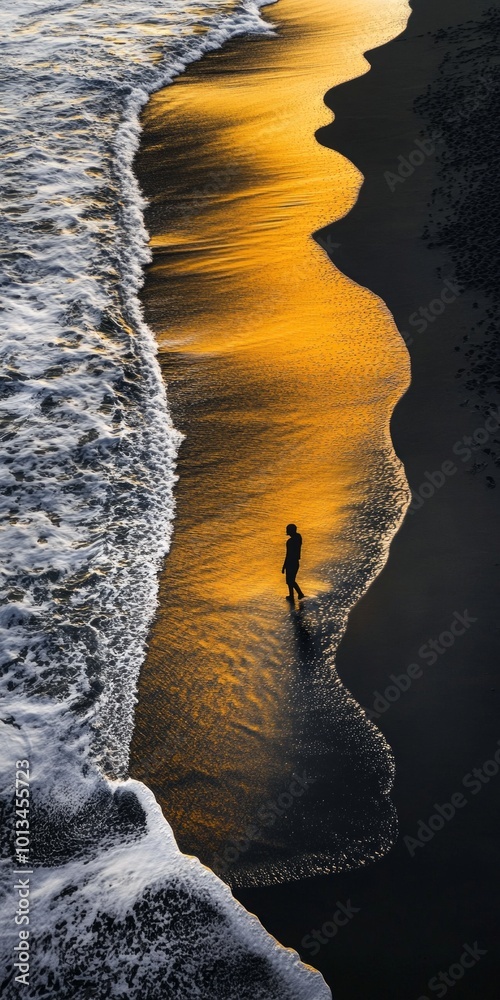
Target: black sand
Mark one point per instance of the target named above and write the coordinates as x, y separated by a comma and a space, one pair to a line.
405, 240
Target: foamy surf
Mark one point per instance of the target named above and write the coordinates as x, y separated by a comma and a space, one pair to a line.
88, 462
141, 919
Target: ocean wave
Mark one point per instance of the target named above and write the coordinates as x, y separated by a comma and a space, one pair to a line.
89, 448
88, 463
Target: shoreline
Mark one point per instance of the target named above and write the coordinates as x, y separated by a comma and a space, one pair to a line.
417, 909
256, 330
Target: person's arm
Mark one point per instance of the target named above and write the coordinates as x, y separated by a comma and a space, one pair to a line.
284, 564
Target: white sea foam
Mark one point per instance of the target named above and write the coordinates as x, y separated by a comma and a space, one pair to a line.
88, 463
143, 920
88, 447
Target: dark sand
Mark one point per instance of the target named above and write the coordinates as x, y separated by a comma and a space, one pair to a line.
417, 913
283, 374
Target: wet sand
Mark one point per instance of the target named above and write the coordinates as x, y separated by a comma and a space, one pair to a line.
283, 375
416, 913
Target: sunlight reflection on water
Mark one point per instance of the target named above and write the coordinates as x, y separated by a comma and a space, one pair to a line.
283, 375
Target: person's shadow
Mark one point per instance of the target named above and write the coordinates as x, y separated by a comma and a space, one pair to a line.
306, 635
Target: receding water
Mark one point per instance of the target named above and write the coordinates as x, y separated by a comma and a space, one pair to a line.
282, 374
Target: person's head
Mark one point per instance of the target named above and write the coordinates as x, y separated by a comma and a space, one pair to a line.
291, 529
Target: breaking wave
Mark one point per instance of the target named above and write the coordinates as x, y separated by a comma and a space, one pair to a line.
88, 467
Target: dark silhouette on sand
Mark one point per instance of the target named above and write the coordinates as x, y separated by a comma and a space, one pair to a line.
292, 560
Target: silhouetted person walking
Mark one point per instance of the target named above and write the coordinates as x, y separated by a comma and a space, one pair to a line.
292, 560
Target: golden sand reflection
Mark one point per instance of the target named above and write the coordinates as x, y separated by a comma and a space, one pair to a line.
283, 374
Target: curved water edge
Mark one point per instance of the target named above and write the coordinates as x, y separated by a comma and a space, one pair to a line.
98, 500
283, 374
89, 472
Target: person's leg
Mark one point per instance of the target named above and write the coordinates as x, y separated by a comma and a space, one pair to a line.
290, 580
297, 588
